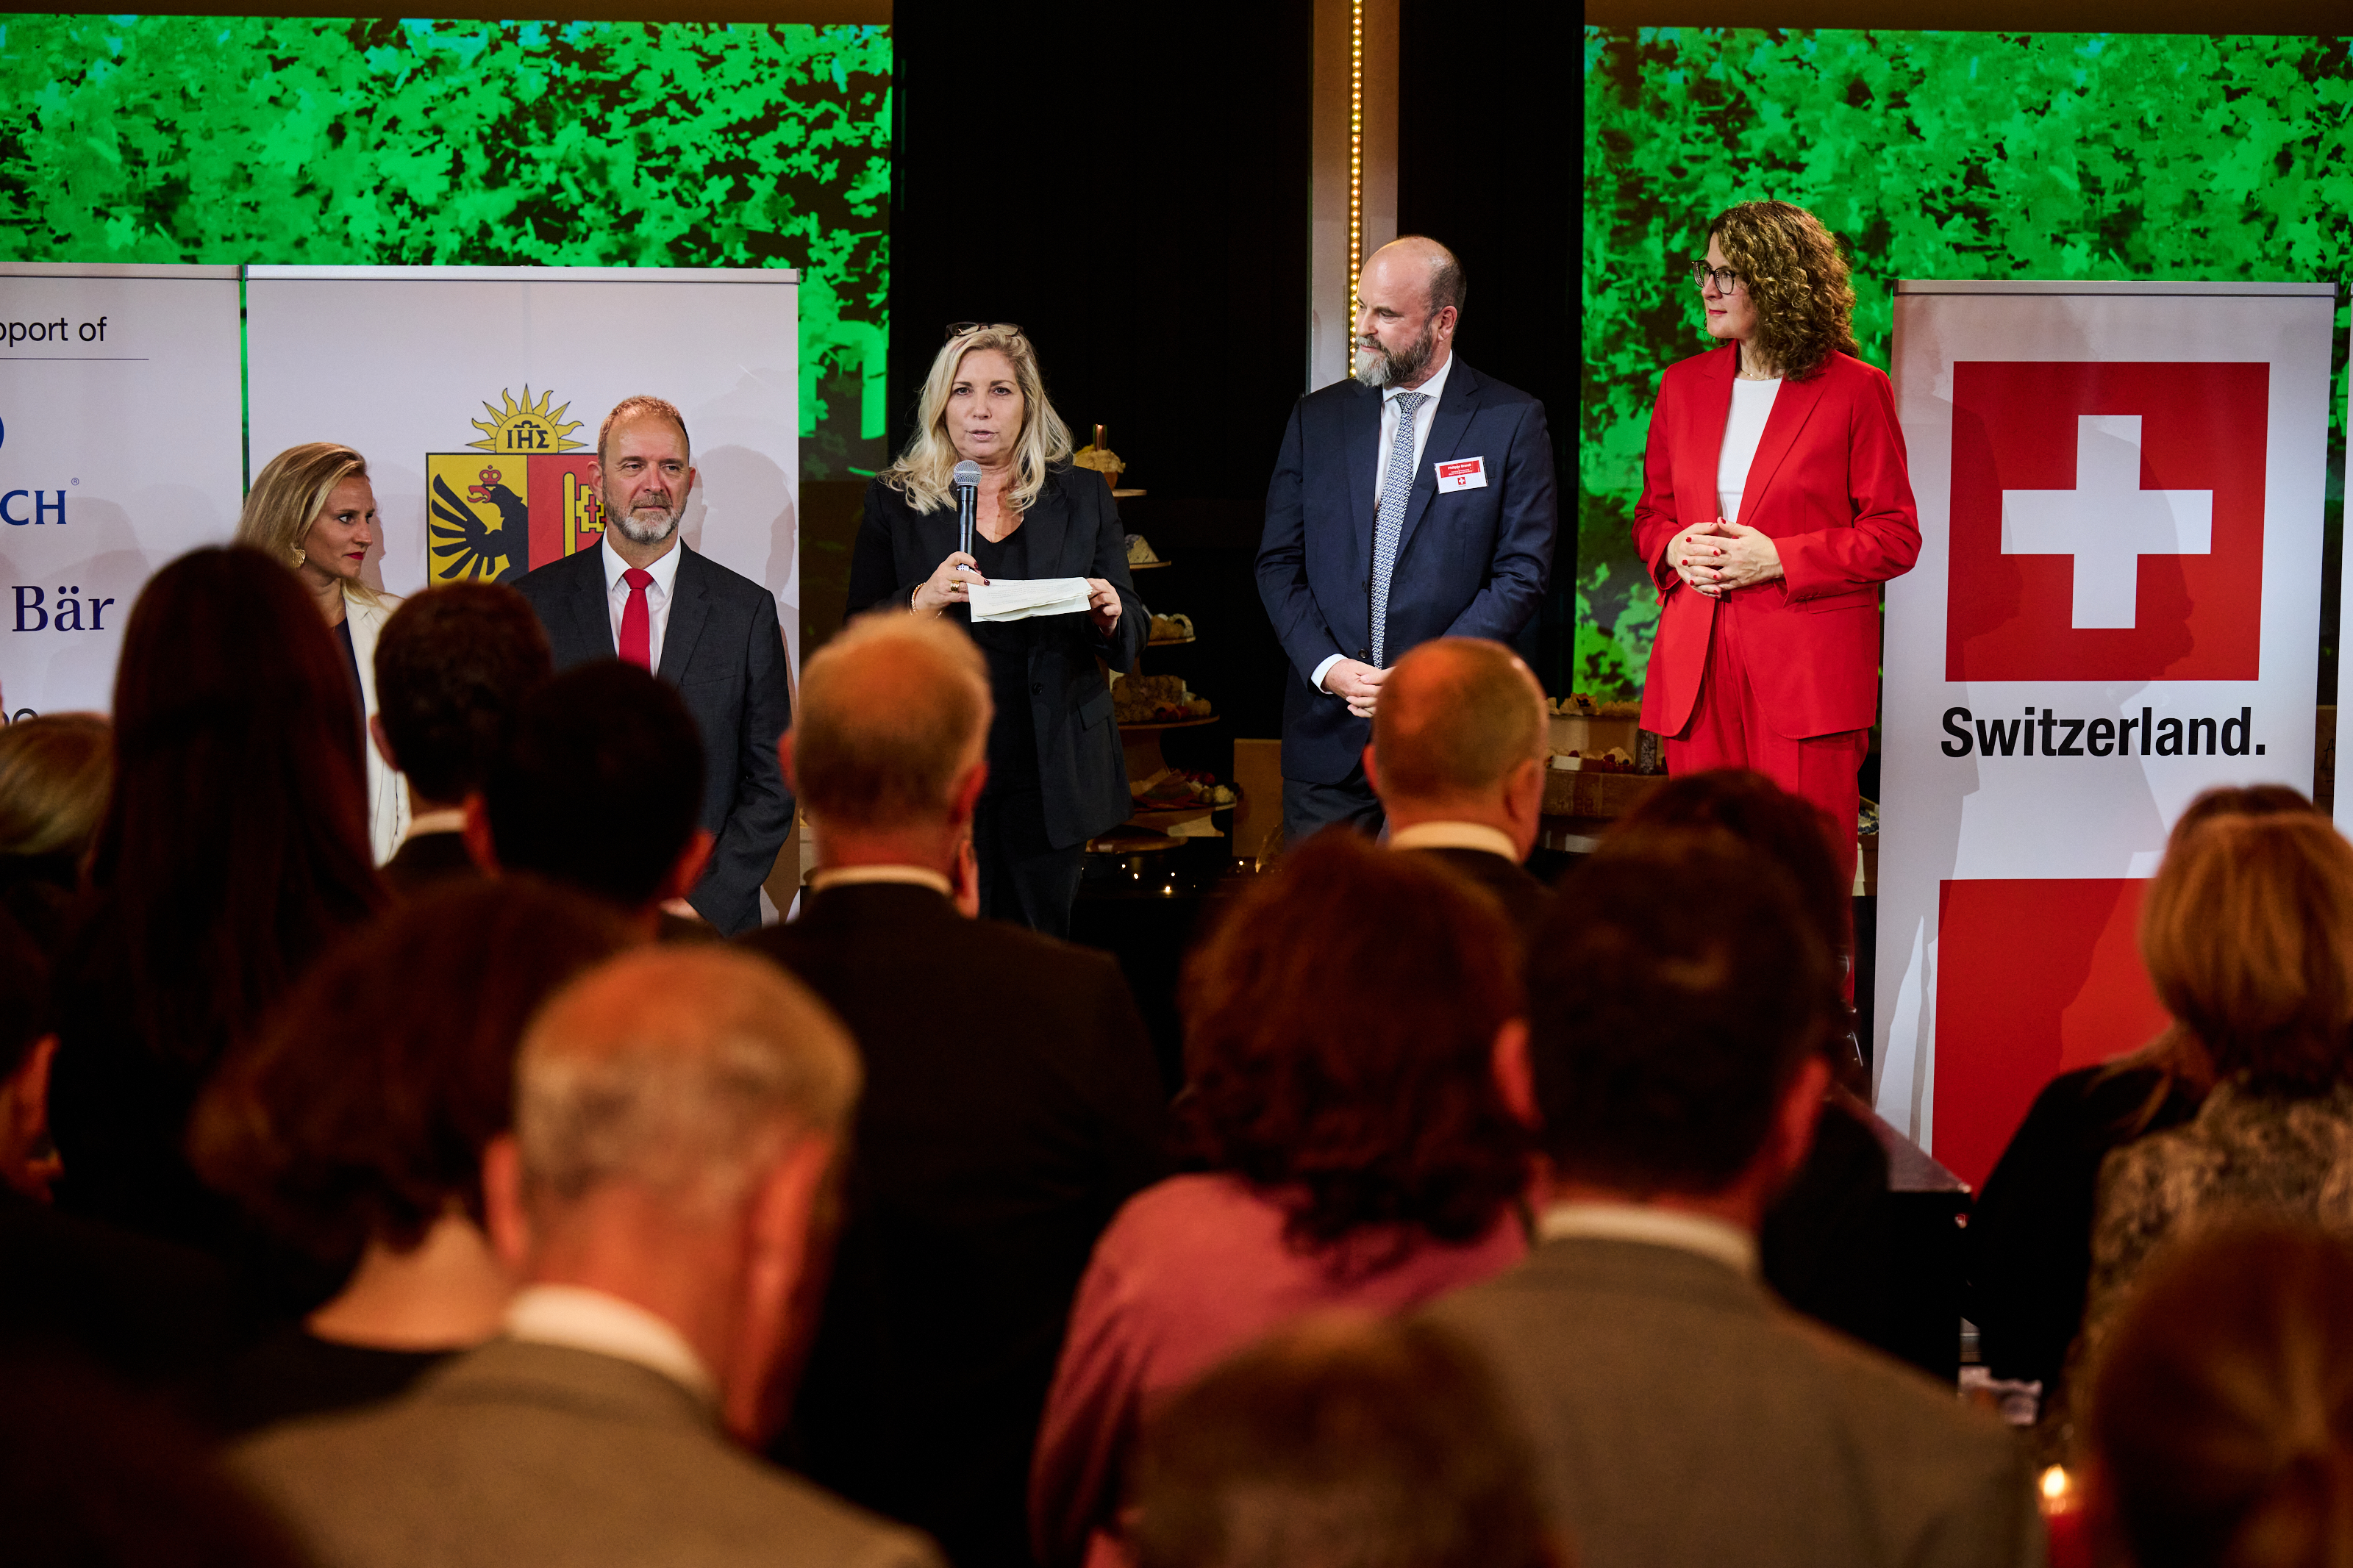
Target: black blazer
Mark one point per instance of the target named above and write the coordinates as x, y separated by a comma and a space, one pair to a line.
726, 653
1012, 1106
1073, 531
1525, 899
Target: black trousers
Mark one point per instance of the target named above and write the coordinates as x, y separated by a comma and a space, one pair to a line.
1309, 808
1023, 878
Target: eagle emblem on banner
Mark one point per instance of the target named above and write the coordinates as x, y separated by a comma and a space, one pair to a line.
520, 497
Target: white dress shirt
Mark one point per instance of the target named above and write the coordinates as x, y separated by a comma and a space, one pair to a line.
1710, 1237
1744, 427
1424, 412
584, 1320
1455, 836
664, 572
866, 876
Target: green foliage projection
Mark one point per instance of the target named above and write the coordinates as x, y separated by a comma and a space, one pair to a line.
1952, 155
338, 141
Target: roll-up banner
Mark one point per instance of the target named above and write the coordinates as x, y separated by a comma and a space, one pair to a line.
2117, 605
476, 394
120, 449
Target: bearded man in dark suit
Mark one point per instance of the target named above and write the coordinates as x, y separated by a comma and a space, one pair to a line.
644, 597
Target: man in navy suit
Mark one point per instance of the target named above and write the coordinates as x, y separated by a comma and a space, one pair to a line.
644, 597
1413, 502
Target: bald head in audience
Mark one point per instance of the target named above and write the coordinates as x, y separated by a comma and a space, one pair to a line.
677, 1114
1460, 736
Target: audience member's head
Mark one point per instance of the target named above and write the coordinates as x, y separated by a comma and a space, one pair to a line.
28, 1045
2239, 800
1341, 1444
90, 1478
677, 1114
1461, 735
235, 844
2247, 929
1677, 997
2221, 1422
890, 735
360, 1118
1341, 1026
55, 772
452, 666
600, 788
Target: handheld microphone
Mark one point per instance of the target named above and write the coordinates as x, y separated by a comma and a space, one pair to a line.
966, 479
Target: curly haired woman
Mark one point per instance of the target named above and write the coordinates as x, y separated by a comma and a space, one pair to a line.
1774, 501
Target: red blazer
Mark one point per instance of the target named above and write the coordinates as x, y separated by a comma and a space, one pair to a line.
1828, 485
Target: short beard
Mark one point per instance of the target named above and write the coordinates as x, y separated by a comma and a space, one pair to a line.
641, 533
1377, 368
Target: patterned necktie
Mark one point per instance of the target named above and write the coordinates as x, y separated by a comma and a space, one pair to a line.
636, 623
1389, 522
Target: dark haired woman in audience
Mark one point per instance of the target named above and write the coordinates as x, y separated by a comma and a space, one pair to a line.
234, 850
1826, 1247
355, 1129
2222, 1421
1340, 1035
2030, 1236
54, 769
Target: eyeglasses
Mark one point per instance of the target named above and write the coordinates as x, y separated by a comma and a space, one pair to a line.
958, 329
1727, 281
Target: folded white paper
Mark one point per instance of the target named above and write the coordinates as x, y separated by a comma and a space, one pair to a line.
1008, 599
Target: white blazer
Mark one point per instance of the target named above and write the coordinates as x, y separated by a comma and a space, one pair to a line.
387, 791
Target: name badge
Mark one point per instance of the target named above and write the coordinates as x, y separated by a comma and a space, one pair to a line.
1469, 474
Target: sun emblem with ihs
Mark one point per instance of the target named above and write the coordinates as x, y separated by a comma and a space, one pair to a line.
532, 500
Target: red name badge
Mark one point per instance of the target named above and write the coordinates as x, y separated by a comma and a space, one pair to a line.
1468, 474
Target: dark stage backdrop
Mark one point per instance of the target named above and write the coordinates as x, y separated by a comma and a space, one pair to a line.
1957, 155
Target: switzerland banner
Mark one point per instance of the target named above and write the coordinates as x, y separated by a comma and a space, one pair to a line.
2117, 605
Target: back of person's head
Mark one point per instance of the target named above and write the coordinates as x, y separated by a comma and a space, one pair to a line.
55, 772
452, 666
235, 843
91, 1477
679, 1071
2247, 929
1339, 1040
1674, 994
601, 786
2239, 800
2222, 1418
889, 716
1457, 715
1340, 1444
1787, 829
363, 1111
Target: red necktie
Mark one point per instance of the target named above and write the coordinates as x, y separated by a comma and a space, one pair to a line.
636, 625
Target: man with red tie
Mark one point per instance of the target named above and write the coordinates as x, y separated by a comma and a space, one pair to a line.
644, 597
1774, 501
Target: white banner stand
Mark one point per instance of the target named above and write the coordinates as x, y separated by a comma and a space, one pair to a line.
2117, 605
120, 449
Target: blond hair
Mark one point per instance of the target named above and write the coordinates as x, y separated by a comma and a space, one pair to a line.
681, 1071
630, 408
922, 471
891, 713
288, 495
1456, 716
55, 770
2247, 932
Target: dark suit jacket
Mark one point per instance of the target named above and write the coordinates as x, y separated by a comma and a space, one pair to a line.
1073, 531
726, 653
1681, 1415
1012, 1106
427, 860
1523, 896
1470, 563
525, 1453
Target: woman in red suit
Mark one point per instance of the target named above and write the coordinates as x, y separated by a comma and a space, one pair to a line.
1774, 501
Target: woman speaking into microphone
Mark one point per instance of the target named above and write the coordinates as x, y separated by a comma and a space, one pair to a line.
1055, 774
1774, 501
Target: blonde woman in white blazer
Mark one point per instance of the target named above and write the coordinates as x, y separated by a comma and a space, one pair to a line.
314, 509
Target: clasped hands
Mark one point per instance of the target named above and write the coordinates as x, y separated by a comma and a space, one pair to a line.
1716, 555
952, 582
1356, 683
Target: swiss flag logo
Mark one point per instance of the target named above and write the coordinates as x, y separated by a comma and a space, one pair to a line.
2108, 522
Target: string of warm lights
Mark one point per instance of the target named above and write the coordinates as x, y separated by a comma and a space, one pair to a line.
1356, 163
